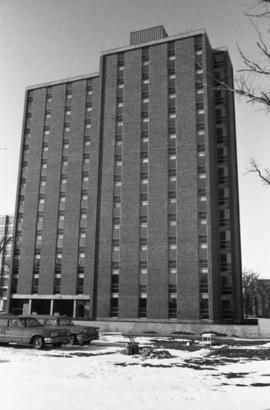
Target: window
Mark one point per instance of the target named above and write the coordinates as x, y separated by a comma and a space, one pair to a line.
115, 283
172, 240
172, 109
120, 59
142, 307
120, 100
145, 54
171, 48
199, 87
172, 217
172, 307
61, 222
143, 219
57, 282
198, 42
218, 60
114, 307
201, 170
203, 263
172, 288
143, 264
120, 81
171, 69
204, 307
172, 264
143, 290
203, 238
116, 221
87, 141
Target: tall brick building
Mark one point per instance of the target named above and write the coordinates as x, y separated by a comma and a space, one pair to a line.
127, 203
6, 233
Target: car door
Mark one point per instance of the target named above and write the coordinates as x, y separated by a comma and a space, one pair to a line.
14, 331
3, 327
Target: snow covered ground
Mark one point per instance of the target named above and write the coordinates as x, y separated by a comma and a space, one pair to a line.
101, 377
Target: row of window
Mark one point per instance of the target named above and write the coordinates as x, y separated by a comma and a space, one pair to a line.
117, 189
40, 215
223, 192
144, 188
172, 185
201, 172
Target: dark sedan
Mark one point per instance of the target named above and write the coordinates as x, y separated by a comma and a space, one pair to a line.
79, 334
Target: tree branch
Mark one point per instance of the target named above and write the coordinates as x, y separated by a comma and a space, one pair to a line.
263, 174
4, 242
260, 3
252, 66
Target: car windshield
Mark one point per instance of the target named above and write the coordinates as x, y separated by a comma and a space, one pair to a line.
65, 322
30, 322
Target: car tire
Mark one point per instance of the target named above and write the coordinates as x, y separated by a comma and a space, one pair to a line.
38, 342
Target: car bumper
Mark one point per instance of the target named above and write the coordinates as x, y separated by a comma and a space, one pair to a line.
56, 340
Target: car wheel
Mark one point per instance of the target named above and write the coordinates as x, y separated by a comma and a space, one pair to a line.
73, 340
38, 342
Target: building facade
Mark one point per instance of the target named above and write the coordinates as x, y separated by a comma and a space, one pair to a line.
127, 202
6, 234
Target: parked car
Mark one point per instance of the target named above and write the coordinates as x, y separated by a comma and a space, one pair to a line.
26, 330
79, 334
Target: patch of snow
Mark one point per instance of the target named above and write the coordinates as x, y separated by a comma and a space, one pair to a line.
99, 376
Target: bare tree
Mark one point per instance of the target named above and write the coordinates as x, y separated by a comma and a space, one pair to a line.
259, 8
3, 242
249, 286
251, 81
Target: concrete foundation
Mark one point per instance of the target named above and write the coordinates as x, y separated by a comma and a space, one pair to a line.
261, 330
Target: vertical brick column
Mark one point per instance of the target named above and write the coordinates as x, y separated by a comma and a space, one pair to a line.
211, 189
73, 196
187, 196
129, 245
90, 248
157, 298
32, 194
106, 181
49, 232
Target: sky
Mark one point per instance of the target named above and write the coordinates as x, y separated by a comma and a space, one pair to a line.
42, 41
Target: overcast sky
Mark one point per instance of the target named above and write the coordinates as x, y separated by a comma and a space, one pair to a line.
48, 40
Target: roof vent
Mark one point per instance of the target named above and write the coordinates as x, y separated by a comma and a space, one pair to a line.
148, 34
